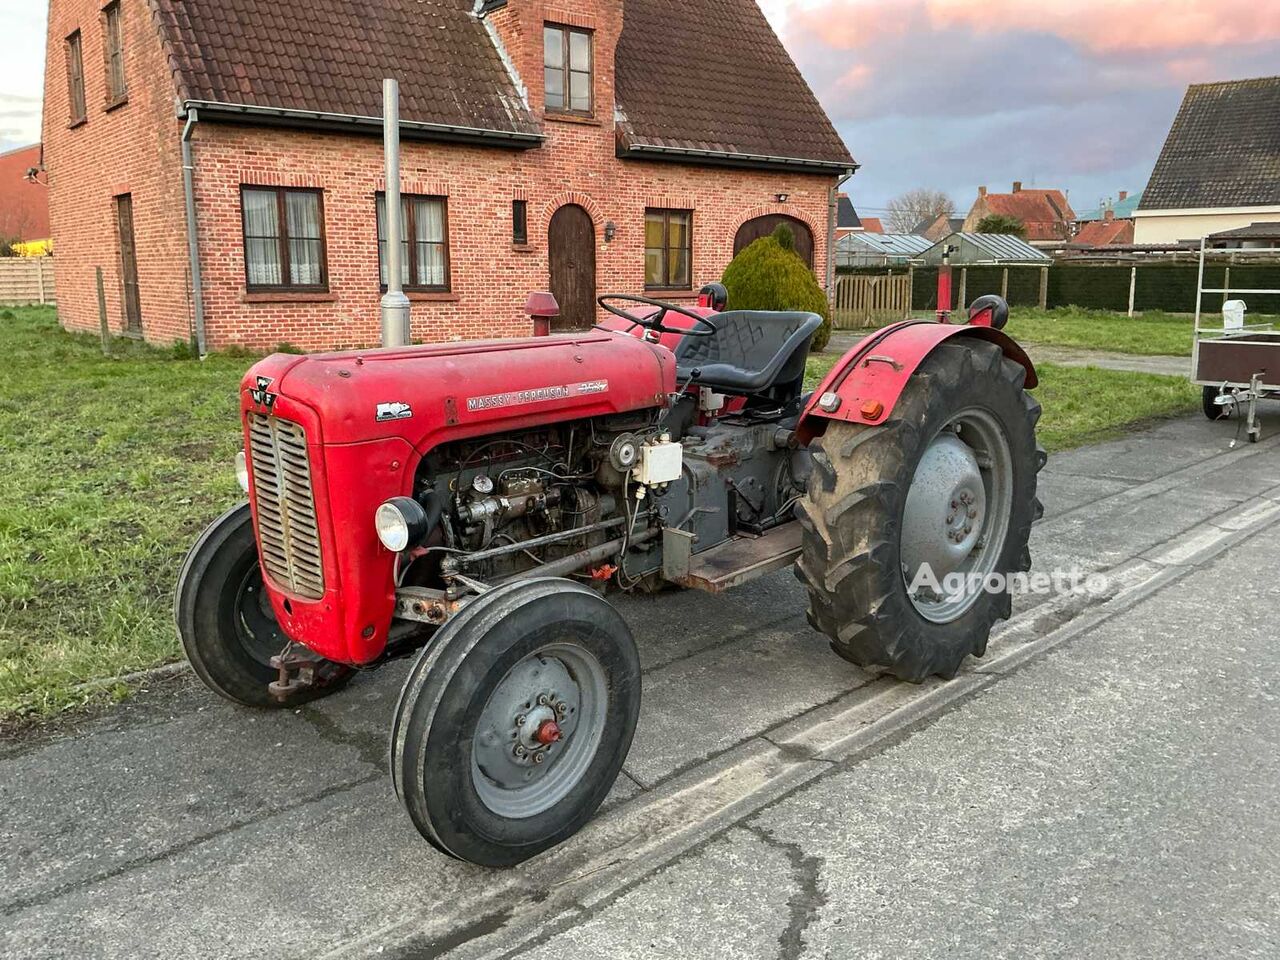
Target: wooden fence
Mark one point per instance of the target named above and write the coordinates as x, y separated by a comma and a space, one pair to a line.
864, 300
26, 280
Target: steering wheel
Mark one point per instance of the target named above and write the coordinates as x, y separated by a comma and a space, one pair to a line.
702, 328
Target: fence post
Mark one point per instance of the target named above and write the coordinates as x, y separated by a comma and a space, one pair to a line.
1226, 284
964, 287
40, 279
911, 289
1004, 284
1133, 286
1044, 288
102, 315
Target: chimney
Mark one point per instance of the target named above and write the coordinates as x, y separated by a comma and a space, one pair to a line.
1124, 194
1017, 185
1110, 214
982, 191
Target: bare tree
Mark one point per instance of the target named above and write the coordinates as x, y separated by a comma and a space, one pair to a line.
908, 209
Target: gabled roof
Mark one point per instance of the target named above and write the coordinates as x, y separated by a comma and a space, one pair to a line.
976, 248
1104, 233
872, 225
710, 78
701, 80
329, 57
953, 224
1045, 213
1267, 230
1223, 149
846, 216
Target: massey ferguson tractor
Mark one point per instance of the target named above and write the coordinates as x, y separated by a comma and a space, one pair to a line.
474, 504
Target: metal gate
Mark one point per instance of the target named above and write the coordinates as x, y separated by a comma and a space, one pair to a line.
864, 300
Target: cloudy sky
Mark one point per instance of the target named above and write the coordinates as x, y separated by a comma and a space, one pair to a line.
1076, 94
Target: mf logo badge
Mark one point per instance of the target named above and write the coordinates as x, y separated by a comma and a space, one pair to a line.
394, 411
261, 395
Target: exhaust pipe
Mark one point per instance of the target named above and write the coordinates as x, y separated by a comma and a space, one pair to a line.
395, 305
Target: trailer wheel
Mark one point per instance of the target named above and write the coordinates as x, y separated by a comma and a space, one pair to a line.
945, 487
515, 721
226, 625
1212, 410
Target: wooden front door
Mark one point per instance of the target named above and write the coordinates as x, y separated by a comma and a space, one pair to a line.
128, 265
571, 249
763, 226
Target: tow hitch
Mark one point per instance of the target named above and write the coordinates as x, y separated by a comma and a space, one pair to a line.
299, 669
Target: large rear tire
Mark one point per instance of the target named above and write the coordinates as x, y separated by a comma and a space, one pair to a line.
948, 482
226, 624
515, 721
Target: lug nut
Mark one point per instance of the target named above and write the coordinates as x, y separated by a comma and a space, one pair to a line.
539, 757
520, 750
520, 720
972, 513
542, 700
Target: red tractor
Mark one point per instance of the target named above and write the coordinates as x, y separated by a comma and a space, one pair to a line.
471, 502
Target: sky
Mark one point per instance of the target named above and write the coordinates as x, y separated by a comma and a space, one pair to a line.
945, 94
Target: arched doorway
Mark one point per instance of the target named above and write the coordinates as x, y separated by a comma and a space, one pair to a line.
571, 251
763, 226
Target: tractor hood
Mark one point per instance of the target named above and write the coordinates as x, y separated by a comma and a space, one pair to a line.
428, 394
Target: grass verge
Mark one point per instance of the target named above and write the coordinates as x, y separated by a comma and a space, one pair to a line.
111, 466
1086, 404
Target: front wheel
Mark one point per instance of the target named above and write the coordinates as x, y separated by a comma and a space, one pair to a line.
912, 526
225, 621
515, 721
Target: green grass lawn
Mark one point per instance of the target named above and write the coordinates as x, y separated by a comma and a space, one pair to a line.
110, 467
1085, 404
1151, 334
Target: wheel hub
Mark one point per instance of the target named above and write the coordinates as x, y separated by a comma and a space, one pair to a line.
945, 509
538, 731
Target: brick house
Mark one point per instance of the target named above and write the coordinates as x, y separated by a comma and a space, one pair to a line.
24, 200
1046, 214
585, 147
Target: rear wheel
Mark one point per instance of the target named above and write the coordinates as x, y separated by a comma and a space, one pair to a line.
515, 721
228, 629
908, 523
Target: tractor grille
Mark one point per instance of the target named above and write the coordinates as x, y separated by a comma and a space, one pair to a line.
288, 536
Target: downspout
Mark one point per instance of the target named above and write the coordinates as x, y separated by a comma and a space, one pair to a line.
833, 213
193, 242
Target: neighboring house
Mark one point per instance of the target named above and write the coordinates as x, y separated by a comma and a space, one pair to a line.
1108, 232
1121, 208
872, 225
1046, 214
938, 227
1220, 166
847, 219
1256, 236
24, 199
529, 162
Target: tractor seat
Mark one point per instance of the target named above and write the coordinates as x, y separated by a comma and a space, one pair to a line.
751, 352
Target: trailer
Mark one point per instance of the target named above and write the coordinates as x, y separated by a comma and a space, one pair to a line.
1238, 363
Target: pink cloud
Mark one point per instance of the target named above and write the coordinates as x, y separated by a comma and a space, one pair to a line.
1117, 26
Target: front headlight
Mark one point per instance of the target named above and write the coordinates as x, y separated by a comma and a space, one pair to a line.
401, 523
242, 471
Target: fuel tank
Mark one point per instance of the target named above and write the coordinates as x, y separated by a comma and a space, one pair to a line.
329, 437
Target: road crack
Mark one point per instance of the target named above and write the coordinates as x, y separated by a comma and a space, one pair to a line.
807, 898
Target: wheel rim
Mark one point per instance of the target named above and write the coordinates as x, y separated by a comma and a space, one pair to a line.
539, 731
956, 516
256, 626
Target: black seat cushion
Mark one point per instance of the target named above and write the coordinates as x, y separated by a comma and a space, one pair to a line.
750, 352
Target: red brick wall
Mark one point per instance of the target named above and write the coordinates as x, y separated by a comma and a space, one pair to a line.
133, 148
490, 278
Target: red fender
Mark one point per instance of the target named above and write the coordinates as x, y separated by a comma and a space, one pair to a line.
869, 379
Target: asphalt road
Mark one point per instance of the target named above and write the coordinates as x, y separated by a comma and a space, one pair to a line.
1101, 784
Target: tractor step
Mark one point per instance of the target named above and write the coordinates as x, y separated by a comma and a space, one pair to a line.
738, 560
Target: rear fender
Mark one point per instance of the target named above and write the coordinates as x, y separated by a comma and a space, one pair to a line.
868, 380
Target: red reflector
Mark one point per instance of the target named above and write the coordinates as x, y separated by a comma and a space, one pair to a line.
871, 409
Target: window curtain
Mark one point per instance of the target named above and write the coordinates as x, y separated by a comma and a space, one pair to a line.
262, 238
302, 215
429, 241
